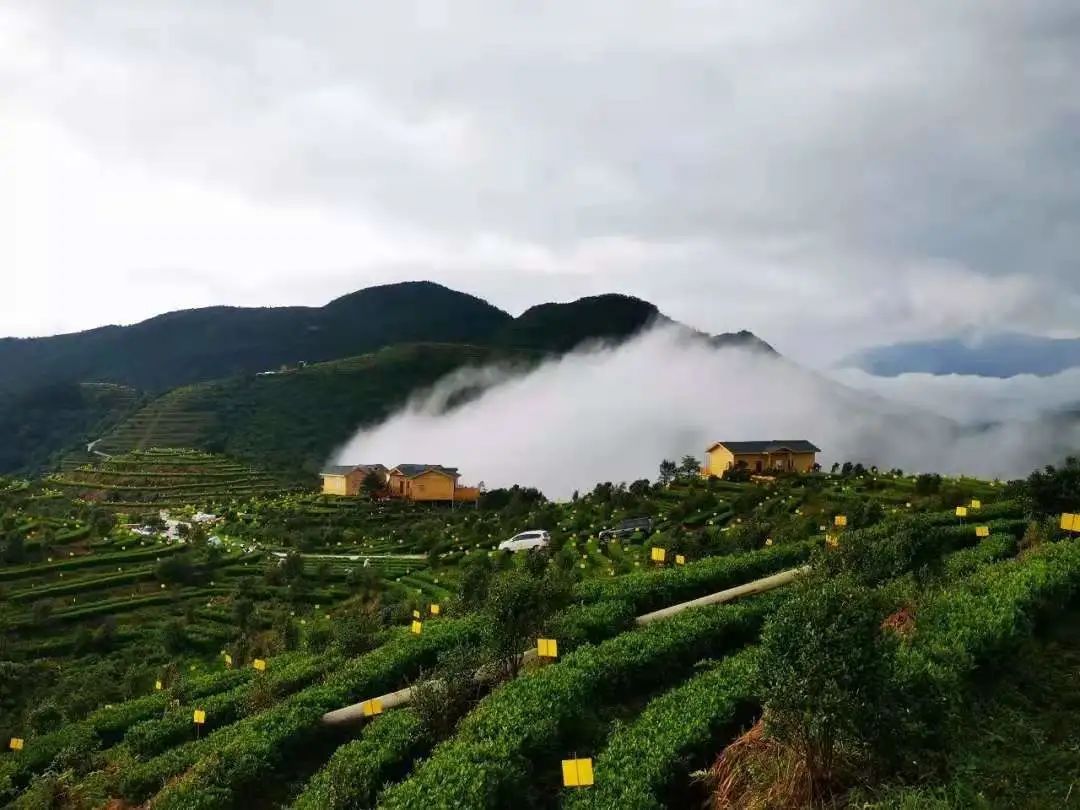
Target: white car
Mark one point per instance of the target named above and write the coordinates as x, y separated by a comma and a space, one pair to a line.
522, 542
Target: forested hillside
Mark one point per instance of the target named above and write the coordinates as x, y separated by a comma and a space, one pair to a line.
195, 371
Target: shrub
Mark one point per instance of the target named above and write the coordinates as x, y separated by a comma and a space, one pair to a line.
825, 665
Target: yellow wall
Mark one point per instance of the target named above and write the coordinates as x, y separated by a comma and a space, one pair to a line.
720, 460
717, 461
430, 486
334, 485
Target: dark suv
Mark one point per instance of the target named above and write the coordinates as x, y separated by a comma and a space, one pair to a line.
625, 528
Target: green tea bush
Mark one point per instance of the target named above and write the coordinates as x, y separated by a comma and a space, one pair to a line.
359, 769
526, 723
285, 674
681, 726
234, 760
648, 591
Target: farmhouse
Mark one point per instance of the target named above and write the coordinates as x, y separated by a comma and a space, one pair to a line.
776, 455
428, 482
347, 479
407, 482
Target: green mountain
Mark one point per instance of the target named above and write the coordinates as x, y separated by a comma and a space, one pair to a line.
294, 419
276, 386
203, 344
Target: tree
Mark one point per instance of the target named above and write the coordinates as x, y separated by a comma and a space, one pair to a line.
444, 698
1055, 489
515, 609
242, 611
292, 567
927, 484
668, 471
372, 484
689, 468
41, 612
14, 548
355, 632
173, 637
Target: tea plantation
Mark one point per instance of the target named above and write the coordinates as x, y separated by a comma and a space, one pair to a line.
876, 674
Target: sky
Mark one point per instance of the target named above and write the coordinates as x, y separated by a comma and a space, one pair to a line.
831, 175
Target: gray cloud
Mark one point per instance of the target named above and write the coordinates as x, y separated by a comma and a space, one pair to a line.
827, 174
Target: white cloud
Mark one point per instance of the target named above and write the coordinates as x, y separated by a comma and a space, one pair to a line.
614, 414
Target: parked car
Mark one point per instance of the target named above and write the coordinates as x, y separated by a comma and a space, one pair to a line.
628, 527
536, 538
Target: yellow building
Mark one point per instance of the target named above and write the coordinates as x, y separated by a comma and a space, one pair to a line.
349, 478
428, 482
778, 455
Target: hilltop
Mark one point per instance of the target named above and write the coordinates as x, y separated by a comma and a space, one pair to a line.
208, 378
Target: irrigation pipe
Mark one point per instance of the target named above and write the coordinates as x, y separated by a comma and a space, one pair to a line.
355, 712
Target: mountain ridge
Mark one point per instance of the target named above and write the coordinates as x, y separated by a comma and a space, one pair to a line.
190, 362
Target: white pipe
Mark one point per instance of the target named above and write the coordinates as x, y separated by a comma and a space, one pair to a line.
401, 697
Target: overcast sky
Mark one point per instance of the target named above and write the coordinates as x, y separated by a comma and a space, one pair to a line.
830, 175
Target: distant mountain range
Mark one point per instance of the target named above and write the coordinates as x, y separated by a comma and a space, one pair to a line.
1004, 354
192, 377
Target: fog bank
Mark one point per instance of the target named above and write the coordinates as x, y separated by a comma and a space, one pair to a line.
612, 414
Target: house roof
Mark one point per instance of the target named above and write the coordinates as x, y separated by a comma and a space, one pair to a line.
769, 446
413, 470
345, 469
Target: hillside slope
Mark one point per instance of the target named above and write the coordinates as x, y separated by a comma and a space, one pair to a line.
295, 418
205, 366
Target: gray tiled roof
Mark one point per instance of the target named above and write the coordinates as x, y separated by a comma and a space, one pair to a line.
771, 446
413, 470
345, 469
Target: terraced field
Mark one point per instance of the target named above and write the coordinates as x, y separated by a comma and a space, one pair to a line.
647, 701
147, 479
174, 419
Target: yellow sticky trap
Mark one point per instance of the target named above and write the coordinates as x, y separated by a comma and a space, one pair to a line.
547, 648
976, 503
158, 685
1070, 522
199, 716
416, 614
982, 531
680, 559
657, 554
259, 664
416, 627
16, 744
228, 660
435, 609
768, 541
577, 772
840, 520
961, 511
372, 707
832, 541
